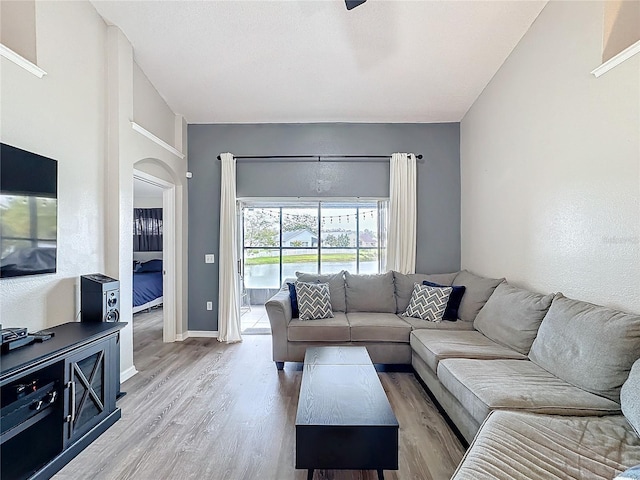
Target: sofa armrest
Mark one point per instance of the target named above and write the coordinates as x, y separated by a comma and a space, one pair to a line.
279, 312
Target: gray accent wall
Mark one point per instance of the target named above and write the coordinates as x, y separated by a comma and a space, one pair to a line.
438, 228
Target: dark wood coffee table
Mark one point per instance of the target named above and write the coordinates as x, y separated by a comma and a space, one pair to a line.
344, 419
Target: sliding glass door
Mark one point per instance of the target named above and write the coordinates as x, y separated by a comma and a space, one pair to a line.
280, 239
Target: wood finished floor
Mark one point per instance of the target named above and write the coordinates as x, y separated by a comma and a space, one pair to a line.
200, 409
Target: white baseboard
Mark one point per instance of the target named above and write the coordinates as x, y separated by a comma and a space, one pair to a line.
196, 334
128, 373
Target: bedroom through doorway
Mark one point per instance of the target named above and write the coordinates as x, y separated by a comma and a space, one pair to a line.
153, 253
147, 257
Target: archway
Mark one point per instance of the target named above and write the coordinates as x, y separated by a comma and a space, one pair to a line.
154, 172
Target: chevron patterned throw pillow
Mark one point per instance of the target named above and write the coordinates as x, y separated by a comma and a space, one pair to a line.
314, 302
428, 303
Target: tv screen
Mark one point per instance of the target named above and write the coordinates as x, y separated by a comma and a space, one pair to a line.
28, 213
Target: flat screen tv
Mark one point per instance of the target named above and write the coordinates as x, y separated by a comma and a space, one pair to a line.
28, 213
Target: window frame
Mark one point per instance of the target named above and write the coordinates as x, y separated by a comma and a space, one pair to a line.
34, 239
357, 204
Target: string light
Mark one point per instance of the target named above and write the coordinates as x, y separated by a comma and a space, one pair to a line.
299, 218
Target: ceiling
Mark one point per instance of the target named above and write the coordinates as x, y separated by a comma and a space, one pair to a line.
237, 61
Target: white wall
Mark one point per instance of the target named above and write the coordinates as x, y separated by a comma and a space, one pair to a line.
18, 27
61, 116
127, 148
550, 165
150, 109
147, 202
80, 114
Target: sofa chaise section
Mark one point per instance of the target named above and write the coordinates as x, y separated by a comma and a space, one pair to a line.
485, 385
523, 445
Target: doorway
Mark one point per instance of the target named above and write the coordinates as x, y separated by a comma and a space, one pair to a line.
154, 255
281, 237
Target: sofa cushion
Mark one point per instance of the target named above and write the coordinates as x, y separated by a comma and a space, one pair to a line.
428, 303
485, 385
418, 324
453, 304
512, 316
527, 445
630, 398
378, 327
435, 345
334, 329
589, 346
370, 293
404, 285
313, 301
478, 290
336, 287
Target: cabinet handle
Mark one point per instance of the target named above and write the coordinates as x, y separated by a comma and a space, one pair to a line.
71, 418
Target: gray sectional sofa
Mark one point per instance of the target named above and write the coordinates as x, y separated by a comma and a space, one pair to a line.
532, 381
367, 311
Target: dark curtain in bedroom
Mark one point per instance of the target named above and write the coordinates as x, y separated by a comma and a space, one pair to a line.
147, 229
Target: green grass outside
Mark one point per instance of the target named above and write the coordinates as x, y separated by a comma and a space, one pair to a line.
312, 258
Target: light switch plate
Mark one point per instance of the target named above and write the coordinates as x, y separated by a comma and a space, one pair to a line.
209, 305
209, 258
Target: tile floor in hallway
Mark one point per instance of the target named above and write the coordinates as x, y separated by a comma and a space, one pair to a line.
255, 320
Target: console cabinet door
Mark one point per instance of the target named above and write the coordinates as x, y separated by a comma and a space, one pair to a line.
90, 395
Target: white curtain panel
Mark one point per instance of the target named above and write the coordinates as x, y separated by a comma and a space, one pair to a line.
383, 220
401, 225
228, 305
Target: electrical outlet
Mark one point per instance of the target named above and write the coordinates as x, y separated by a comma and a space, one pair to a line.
209, 258
209, 305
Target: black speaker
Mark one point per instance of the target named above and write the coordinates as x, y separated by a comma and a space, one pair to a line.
100, 298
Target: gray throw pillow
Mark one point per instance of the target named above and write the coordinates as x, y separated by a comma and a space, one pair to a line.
313, 301
588, 346
370, 293
630, 397
428, 303
512, 316
336, 287
478, 291
404, 285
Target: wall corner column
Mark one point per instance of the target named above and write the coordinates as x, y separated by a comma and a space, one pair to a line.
119, 182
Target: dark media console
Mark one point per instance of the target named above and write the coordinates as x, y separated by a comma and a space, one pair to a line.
57, 397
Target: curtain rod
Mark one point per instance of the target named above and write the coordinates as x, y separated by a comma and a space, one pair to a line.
313, 157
